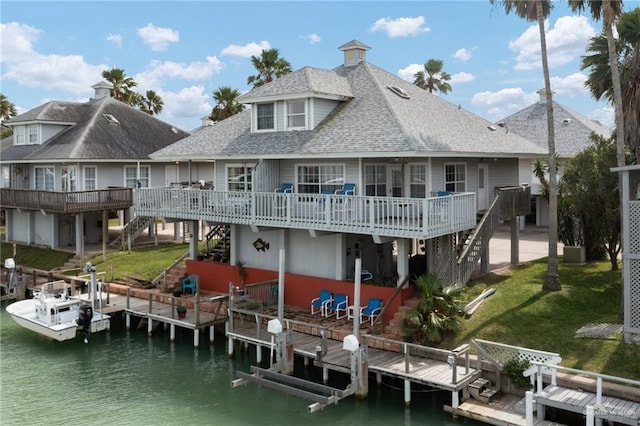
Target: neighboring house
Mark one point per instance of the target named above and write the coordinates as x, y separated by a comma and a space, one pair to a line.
630, 193
69, 165
572, 135
314, 133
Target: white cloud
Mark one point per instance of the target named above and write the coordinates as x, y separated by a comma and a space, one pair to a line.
311, 38
504, 102
566, 41
152, 77
157, 37
246, 51
408, 73
185, 107
462, 77
571, 85
115, 39
462, 54
604, 116
32, 69
400, 27
16, 41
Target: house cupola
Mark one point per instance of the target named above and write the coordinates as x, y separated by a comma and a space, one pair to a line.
102, 89
543, 96
354, 53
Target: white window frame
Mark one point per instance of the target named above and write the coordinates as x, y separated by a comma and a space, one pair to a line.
257, 118
141, 180
457, 184
245, 184
378, 185
5, 179
47, 181
418, 180
89, 183
295, 116
329, 177
19, 135
33, 134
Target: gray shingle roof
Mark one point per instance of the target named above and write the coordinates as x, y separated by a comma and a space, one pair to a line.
572, 130
374, 123
92, 136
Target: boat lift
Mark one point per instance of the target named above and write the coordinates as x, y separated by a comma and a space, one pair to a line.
280, 375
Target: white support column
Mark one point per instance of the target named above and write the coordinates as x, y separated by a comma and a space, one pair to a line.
407, 392
230, 344
403, 258
176, 230
378, 378
149, 326
325, 375
341, 258
591, 416
79, 235
212, 334
172, 332
515, 241
127, 321
196, 338
258, 354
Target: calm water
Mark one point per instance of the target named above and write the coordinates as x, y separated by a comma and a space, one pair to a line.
128, 378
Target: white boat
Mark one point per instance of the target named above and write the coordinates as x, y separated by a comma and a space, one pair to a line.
52, 312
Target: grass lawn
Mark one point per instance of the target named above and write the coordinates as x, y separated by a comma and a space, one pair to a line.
518, 313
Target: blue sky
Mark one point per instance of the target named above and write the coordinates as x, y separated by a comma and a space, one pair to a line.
186, 50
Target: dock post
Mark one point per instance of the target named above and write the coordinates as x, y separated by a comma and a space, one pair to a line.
230, 346
212, 334
378, 378
528, 408
196, 337
149, 326
127, 321
325, 375
172, 332
455, 399
407, 392
590, 416
258, 354
306, 362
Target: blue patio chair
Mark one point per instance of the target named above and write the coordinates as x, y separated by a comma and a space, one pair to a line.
339, 304
372, 310
443, 193
189, 283
321, 302
347, 189
286, 188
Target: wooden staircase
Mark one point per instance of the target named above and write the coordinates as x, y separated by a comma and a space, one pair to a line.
481, 390
393, 329
131, 231
218, 241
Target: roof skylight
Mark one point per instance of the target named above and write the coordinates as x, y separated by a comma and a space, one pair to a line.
110, 118
399, 91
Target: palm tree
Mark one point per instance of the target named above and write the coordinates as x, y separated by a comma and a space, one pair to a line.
436, 315
226, 103
599, 79
269, 66
610, 10
122, 85
7, 109
432, 78
538, 10
151, 103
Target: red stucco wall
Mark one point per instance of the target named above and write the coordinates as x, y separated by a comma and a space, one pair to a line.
299, 289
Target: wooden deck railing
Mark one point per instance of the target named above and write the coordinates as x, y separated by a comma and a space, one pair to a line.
383, 216
67, 202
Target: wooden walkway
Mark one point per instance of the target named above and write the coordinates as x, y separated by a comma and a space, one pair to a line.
408, 362
608, 409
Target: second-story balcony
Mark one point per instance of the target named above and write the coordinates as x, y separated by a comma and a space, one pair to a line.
66, 202
376, 216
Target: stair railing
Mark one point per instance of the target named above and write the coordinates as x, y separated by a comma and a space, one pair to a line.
376, 328
163, 274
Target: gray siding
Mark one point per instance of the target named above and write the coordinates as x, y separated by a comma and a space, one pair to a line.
50, 130
321, 109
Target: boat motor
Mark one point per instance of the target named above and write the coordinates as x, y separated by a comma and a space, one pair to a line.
85, 315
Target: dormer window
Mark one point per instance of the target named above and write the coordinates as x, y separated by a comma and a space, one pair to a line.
296, 116
26, 135
265, 115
